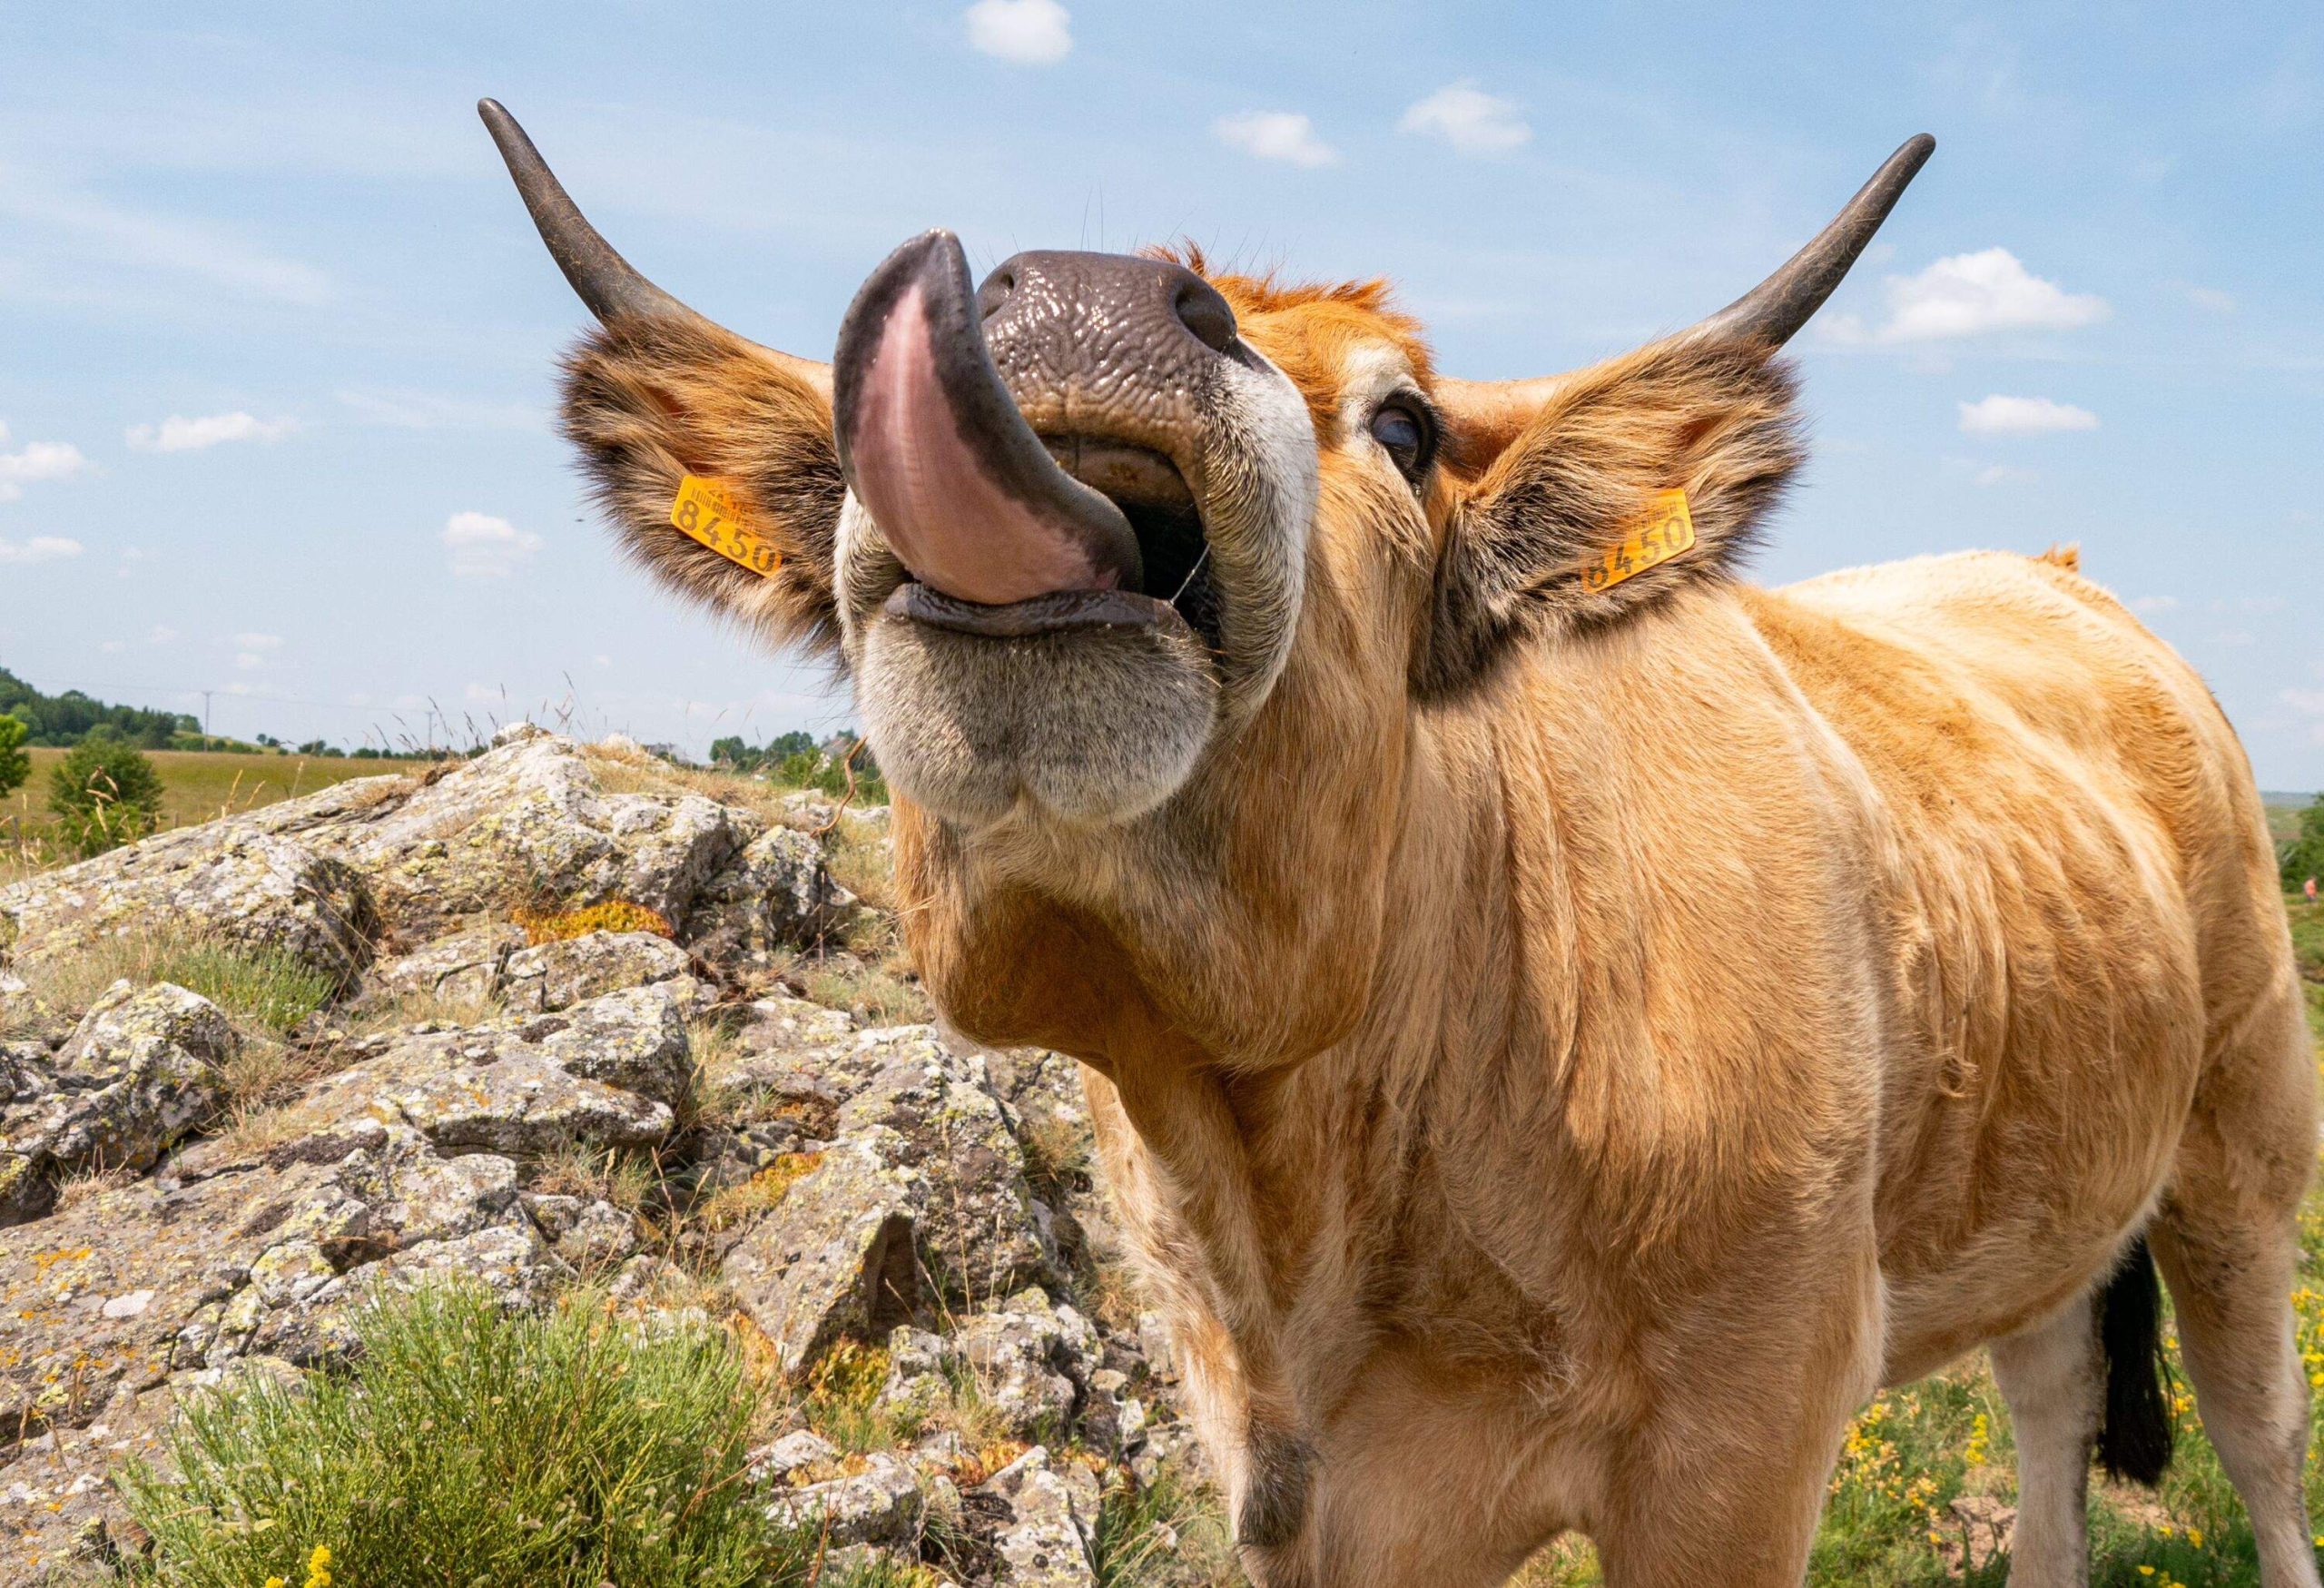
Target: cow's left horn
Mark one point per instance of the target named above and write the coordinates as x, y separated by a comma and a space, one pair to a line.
605, 281
1777, 306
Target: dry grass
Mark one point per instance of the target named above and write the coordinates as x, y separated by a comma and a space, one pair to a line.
426, 1008
620, 771
877, 993
595, 1174
200, 785
89, 1184
264, 992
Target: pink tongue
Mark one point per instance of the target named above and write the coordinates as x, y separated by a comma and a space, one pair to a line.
947, 514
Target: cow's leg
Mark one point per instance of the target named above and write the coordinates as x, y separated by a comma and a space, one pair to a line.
2226, 1240
2054, 1378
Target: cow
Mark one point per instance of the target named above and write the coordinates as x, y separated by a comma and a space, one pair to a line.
1564, 1025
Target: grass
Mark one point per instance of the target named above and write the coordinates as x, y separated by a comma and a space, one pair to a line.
470, 1447
263, 991
882, 995
199, 785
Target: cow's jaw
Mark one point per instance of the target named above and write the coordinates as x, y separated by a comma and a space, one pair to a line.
1060, 582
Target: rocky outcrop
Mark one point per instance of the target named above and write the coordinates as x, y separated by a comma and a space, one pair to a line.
141, 1070
659, 1115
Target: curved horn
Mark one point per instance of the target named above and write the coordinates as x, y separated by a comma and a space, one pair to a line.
605, 280
1777, 306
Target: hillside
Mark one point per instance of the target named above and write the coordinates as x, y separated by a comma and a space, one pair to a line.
63, 719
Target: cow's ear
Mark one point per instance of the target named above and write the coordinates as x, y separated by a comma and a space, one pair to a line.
1634, 478
649, 401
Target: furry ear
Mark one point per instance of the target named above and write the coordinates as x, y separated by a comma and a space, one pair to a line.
1528, 550
651, 400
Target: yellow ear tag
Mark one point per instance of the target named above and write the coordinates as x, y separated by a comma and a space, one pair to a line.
1666, 530
707, 510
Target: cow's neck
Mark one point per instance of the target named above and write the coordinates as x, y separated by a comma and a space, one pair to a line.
1298, 1187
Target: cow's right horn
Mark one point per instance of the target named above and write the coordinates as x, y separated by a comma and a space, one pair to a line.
605, 281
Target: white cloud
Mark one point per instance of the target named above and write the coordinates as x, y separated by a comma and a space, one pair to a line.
39, 548
39, 460
97, 231
2212, 299
253, 651
162, 635
2154, 606
486, 548
2004, 474
1275, 135
1031, 33
113, 648
1969, 295
2263, 603
1471, 120
2024, 416
179, 434
403, 408
2307, 702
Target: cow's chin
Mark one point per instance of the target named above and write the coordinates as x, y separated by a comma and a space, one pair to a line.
1088, 725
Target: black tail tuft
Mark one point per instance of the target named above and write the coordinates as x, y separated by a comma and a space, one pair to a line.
2134, 1433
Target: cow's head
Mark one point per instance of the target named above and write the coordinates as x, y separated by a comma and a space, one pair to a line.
1142, 575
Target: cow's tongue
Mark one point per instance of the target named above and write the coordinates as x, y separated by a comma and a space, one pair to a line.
967, 497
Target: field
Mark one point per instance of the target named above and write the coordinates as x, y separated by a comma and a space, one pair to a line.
197, 785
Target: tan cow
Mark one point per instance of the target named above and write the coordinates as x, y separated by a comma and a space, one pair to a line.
1564, 1024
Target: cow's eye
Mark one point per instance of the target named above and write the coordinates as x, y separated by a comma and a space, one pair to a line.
1407, 433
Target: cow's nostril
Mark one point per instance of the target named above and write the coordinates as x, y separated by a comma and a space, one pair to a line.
1203, 311
995, 291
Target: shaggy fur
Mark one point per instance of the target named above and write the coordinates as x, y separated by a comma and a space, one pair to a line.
1555, 1055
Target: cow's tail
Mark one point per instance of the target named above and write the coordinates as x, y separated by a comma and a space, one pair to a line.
2134, 1429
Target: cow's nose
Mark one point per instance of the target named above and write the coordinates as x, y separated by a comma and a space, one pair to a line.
1133, 298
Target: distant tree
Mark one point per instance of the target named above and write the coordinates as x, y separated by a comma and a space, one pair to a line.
731, 751
14, 765
2305, 858
105, 793
793, 743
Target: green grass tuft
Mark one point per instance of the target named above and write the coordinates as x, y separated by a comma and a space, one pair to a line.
470, 1447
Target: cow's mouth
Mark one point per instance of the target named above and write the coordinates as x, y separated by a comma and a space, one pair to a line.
1003, 532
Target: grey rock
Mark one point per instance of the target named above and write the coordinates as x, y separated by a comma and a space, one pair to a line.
559, 975
776, 893
605, 1072
977, 1232
1044, 1542
800, 1448
882, 1504
141, 1070
234, 880
463, 967
835, 1257
1031, 1360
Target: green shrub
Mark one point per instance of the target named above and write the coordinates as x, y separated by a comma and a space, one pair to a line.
14, 765
470, 1447
2305, 856
105, 793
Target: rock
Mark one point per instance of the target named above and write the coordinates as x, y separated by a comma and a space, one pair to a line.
230, 880
606, 1072
559, 975
881, 1504
1044, 1540
835, 1257
25, 1020
465, 967
977, 1234
776, 894
591, 1236
139, 1070
800, 1448
1031, 1361
526, 822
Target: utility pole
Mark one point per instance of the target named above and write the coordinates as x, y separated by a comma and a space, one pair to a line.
206, 719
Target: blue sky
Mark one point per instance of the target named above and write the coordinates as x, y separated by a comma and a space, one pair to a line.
277, 342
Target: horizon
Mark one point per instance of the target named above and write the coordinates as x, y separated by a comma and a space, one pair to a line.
280, 429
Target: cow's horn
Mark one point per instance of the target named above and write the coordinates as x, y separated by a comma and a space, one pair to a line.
605, 280
1777, 306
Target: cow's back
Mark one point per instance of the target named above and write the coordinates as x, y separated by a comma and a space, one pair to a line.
2082, 898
